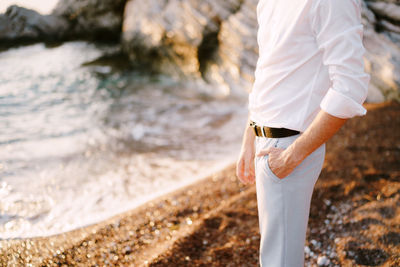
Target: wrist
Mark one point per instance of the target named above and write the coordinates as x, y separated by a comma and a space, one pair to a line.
248, 148
248, 138
294, 156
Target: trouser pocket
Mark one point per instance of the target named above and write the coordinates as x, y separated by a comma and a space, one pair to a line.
266, 143
271, 174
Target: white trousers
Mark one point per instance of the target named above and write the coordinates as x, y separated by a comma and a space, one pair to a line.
284, 205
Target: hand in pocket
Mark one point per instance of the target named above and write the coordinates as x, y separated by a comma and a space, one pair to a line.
278, 161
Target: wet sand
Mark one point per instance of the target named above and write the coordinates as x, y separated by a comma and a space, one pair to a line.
354, 219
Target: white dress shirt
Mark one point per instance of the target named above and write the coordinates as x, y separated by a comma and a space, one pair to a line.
310, 58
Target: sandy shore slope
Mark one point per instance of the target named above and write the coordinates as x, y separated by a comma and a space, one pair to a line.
354, 220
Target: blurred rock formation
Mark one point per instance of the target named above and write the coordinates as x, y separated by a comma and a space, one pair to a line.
19, 24
93, 19
70, 19
382, 41
216, 40
212, 40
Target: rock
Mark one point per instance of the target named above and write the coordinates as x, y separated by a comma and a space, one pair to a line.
314, 242
382, 58
323, 261
389, 10
127, 250
387, 26
19, 24
368, 17
383, 64
93, 19
70, 19
327, 202
374, 95
178, 37
217, 41
212, 40
238, 47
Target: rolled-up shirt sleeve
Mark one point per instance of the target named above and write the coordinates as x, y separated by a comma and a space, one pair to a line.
336, 25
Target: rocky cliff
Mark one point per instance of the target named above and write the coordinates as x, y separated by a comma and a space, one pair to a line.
217, 40
94, 19
211, 40
20, 25
382, 41
70, 19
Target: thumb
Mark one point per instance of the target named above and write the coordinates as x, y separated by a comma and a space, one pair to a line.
264, 152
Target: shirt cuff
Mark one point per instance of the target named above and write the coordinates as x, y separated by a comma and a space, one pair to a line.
341, 106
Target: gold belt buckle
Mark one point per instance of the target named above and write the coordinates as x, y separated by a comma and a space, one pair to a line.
254, 126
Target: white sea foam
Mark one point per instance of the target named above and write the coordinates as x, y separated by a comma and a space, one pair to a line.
81, 144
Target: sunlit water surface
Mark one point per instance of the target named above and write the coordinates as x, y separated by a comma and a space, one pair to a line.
80, 143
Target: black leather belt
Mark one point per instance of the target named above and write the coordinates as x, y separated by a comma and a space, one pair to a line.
272, 132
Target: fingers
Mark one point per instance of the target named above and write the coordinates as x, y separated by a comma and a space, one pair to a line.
240, 170
268, 151
245, 171
249, 170
265, 151
251, 178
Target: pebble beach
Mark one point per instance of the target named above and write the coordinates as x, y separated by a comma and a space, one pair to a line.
354, 218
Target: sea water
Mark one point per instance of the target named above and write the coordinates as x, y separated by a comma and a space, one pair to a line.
82, 142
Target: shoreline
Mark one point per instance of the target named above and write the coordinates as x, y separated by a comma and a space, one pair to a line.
141, 216
155, 197
106, 158
354, 217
